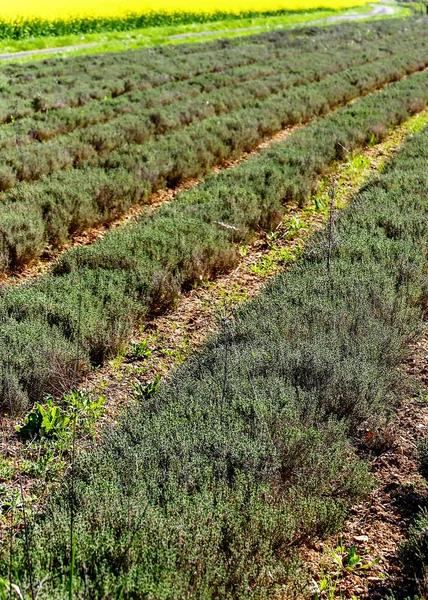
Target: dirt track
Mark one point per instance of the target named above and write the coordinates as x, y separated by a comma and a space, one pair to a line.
377, 11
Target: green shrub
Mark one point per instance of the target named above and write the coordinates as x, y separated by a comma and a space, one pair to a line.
422, 457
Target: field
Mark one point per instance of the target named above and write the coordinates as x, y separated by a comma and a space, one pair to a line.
94, 164
46, 9
127, 180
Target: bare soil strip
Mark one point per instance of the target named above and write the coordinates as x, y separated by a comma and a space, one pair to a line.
27, 53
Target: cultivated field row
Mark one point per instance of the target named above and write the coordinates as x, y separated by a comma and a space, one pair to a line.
250, 439
142, 267
53, 84
208, 90
78, 81
197, 312
165, 341
98, 173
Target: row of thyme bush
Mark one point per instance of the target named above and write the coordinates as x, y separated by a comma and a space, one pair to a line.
207, 89
76, 81
143, 266
110, 180
46, 123
136, 122
115, 78
206, 488
54, 84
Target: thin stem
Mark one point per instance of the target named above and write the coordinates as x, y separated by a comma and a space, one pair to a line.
73, 444
226, 361
27, 537
72, 540
11, 553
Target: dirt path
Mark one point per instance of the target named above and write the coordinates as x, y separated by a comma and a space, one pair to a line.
377, 11
27, 53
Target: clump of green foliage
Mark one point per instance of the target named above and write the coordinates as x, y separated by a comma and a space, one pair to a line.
207, 484
44, 421
50, 420
414, 552
422, 457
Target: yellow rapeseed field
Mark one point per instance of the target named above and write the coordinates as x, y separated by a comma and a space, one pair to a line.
52, 9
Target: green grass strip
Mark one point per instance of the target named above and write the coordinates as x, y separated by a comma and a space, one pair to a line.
23, 28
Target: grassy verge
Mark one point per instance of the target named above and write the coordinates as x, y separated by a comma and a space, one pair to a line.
206, 486
141, 268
